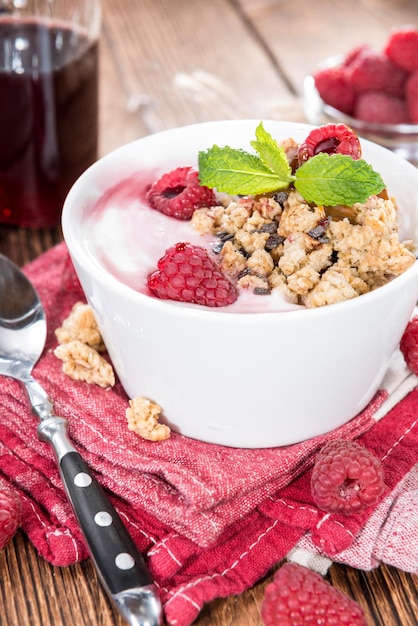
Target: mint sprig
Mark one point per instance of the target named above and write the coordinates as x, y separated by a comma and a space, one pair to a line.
324, 179
272, 155
237, 172
337, 179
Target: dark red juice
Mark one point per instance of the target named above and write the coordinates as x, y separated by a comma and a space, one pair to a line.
48, 118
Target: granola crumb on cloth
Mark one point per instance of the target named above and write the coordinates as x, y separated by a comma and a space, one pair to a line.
82, 326
81, 362
79, 344
142, 416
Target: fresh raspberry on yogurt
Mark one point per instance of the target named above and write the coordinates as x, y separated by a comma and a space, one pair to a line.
178, 193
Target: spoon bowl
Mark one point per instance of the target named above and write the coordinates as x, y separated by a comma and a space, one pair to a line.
22, 322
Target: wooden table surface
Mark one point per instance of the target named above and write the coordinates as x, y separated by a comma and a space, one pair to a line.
166, 63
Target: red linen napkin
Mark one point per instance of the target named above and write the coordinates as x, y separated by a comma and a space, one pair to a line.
210, 520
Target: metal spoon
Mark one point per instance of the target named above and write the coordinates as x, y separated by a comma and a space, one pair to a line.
119, 564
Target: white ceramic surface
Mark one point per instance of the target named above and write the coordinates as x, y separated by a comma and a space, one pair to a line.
243, 380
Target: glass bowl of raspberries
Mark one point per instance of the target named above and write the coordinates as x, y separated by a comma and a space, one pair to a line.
375, 92
250, 278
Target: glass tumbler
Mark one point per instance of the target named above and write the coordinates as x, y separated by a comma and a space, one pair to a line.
48, 104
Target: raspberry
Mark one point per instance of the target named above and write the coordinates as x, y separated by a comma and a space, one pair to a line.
354, 53
334, 88
187, 273
374, 71
10, 515
178, 193
330, 138
297, 596
381, 108
409, 345
402, 48
411, 94
346, 478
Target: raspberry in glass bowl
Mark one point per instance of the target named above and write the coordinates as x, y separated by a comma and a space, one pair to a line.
375, 92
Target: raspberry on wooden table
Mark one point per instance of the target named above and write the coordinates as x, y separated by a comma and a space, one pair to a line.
178, 193
10, 515
298, 597
346, 478
187, 273
409, 345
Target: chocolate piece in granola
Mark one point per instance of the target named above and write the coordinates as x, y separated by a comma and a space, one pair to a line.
313, 255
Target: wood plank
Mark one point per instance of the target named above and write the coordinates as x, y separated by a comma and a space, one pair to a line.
301, 33
388, 596
34, 593
175, 65
24, 244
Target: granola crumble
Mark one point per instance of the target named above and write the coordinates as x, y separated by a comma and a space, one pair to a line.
82, 362
313, 255
80, 325
143, 418
80, 343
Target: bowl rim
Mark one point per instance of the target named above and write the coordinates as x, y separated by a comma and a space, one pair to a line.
107, 279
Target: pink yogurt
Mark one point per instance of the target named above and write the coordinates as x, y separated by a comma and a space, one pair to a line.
128, 237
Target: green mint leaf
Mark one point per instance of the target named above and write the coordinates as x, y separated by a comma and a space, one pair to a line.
337, 179
324, 179
272, 155
237, 172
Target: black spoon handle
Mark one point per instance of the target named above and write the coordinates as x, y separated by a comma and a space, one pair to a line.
117, 559
119, 563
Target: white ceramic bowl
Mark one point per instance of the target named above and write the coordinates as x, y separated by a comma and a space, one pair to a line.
253, 379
